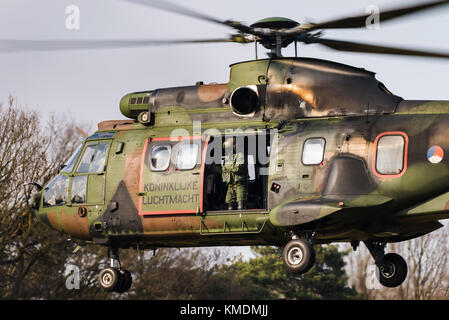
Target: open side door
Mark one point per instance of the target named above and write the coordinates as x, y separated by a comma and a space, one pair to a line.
255, 147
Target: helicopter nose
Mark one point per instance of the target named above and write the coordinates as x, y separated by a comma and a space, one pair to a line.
36, 205
35, 197
36, 200
42, 215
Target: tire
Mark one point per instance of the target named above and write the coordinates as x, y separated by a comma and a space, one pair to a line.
125, 281
109, 279
298, 256
393, 271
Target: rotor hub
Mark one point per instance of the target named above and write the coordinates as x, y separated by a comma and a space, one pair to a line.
275, 23
270, 32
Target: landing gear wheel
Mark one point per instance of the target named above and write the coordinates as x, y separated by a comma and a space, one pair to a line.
109, 278
393, 270
125, 281
298, 256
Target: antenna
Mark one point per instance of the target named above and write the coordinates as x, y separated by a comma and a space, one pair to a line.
255, 46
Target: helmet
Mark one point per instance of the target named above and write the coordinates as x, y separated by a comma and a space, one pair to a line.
229, 143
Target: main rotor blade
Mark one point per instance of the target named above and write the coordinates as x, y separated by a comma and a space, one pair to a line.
49, 45
370, 48
175, 8
82, 132
361, 21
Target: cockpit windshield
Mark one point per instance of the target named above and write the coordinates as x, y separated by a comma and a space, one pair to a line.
91, 158
71, 162
94, 157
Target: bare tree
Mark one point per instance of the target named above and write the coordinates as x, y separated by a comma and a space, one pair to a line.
359, 267
29, 152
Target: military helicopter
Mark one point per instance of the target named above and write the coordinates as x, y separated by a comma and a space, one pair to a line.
330, 155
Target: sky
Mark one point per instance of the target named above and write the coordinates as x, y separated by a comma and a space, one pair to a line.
86, 85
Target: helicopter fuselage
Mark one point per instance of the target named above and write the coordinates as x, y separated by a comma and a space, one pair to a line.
331, 154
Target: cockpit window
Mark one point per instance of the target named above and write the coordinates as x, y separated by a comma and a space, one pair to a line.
94, 158
71, 162
55, 194
99, 160
78, 191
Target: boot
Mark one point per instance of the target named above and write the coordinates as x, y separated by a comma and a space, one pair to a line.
241, 205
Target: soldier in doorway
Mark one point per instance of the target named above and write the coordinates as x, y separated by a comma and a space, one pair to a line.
235, 175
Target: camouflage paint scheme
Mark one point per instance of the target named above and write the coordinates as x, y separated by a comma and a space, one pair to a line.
343, 198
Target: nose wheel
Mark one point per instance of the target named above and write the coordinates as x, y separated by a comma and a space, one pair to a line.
298, 256
108, 278
116, 279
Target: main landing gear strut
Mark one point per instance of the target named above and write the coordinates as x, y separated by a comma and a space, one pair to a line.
299, 256
114, 278
391, 266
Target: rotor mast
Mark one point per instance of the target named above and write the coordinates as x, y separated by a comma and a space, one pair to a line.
272, 35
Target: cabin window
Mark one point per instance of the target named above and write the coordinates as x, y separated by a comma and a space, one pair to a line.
390, 154
94, 158
313, 151
160, 158
78, 191
71, 162
55, 194
187, 156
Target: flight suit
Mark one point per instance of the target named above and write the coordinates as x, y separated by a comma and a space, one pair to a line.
235, 175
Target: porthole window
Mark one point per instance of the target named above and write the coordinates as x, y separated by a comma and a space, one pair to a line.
313, 151
187, 156
390, 154
160, 158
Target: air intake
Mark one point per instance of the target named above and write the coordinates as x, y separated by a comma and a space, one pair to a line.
245, 100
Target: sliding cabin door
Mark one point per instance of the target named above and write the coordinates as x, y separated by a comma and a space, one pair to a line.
171, 176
